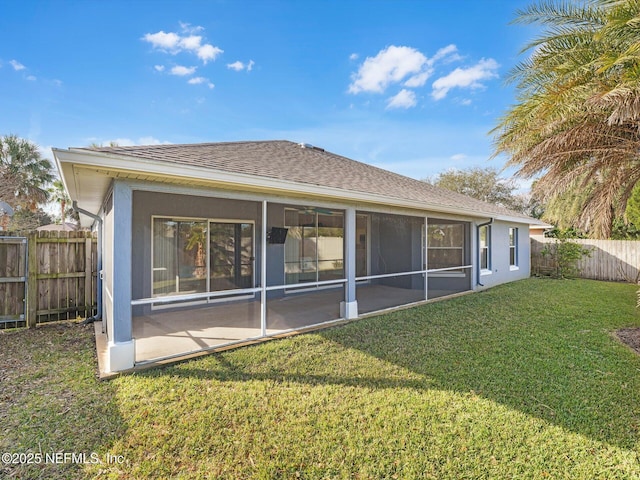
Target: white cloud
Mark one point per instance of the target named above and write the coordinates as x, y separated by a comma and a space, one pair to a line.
127, 142
208, 52
470, 77
395, 65
151, 141
17, 66
458, 157
192, 42
163, 41
31, 78
389, 66
183, 71
200, 81
404, 99
450, 53
159, 68
418, 80
239, 66
353, 56
175, 43
187, 28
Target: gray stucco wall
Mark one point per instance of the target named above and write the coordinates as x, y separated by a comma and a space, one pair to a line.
395, 243
501, 272
148, 204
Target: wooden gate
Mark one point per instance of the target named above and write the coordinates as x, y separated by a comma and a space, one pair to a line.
13, 281
46, 277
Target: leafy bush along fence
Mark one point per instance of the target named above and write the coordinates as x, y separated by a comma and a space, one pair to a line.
49, 276
611, 260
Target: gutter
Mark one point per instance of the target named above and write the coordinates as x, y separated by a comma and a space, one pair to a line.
98, 220
490, 222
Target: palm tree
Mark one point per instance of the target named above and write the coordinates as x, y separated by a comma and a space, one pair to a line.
59, 195
24, 173
575, 124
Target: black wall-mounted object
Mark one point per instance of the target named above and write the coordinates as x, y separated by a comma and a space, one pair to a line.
277, 235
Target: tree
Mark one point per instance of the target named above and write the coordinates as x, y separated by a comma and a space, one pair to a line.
484, 184
632, 212
59, 195
26, 220
24, 172
575, 123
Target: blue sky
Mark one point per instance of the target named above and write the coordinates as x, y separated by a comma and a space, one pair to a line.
410, 86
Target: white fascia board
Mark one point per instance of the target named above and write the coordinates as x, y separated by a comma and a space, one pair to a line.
541, 226
66, 171
240, 180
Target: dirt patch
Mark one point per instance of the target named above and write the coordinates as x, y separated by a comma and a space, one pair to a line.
630, 337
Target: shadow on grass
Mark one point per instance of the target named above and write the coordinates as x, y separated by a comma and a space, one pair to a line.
541, 347
51, 401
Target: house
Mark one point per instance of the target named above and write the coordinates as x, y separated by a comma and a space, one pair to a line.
212, 245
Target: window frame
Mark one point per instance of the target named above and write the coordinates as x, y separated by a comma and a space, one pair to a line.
208, 221
484, 269
514, 263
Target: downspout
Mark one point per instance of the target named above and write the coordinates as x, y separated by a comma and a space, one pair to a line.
478, 249
96, 218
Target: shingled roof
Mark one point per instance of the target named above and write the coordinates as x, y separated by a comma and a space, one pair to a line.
304, 164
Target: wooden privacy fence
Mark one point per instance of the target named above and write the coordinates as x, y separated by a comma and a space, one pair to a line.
58, 272
611, 260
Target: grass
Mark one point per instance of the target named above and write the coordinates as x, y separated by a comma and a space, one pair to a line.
522, 381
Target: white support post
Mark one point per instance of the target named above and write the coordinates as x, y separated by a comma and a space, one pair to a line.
426, 258
349, 308
121, 348
263, 271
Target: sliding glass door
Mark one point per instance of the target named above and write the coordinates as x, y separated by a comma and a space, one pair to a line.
179, 256
197, 256
231, 255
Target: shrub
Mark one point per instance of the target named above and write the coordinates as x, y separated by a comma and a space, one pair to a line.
565, 255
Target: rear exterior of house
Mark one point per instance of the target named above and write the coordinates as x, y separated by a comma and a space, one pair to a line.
212, 245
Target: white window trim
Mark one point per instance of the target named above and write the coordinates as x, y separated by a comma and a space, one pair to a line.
514, 266
485, 271
231, 297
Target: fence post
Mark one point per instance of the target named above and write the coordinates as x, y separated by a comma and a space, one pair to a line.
31, 309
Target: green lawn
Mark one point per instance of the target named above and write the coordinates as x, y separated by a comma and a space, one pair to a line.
521, 381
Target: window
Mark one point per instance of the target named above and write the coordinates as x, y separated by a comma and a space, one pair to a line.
179, 256
200, 255
445, 246
513, 248
314, 248
484, 236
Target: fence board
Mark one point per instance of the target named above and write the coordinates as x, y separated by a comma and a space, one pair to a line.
61, 277
612, 260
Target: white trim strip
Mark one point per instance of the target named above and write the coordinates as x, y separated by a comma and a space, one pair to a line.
306, 285
193, 296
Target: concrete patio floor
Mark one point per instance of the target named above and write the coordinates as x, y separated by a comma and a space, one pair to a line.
172, 335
